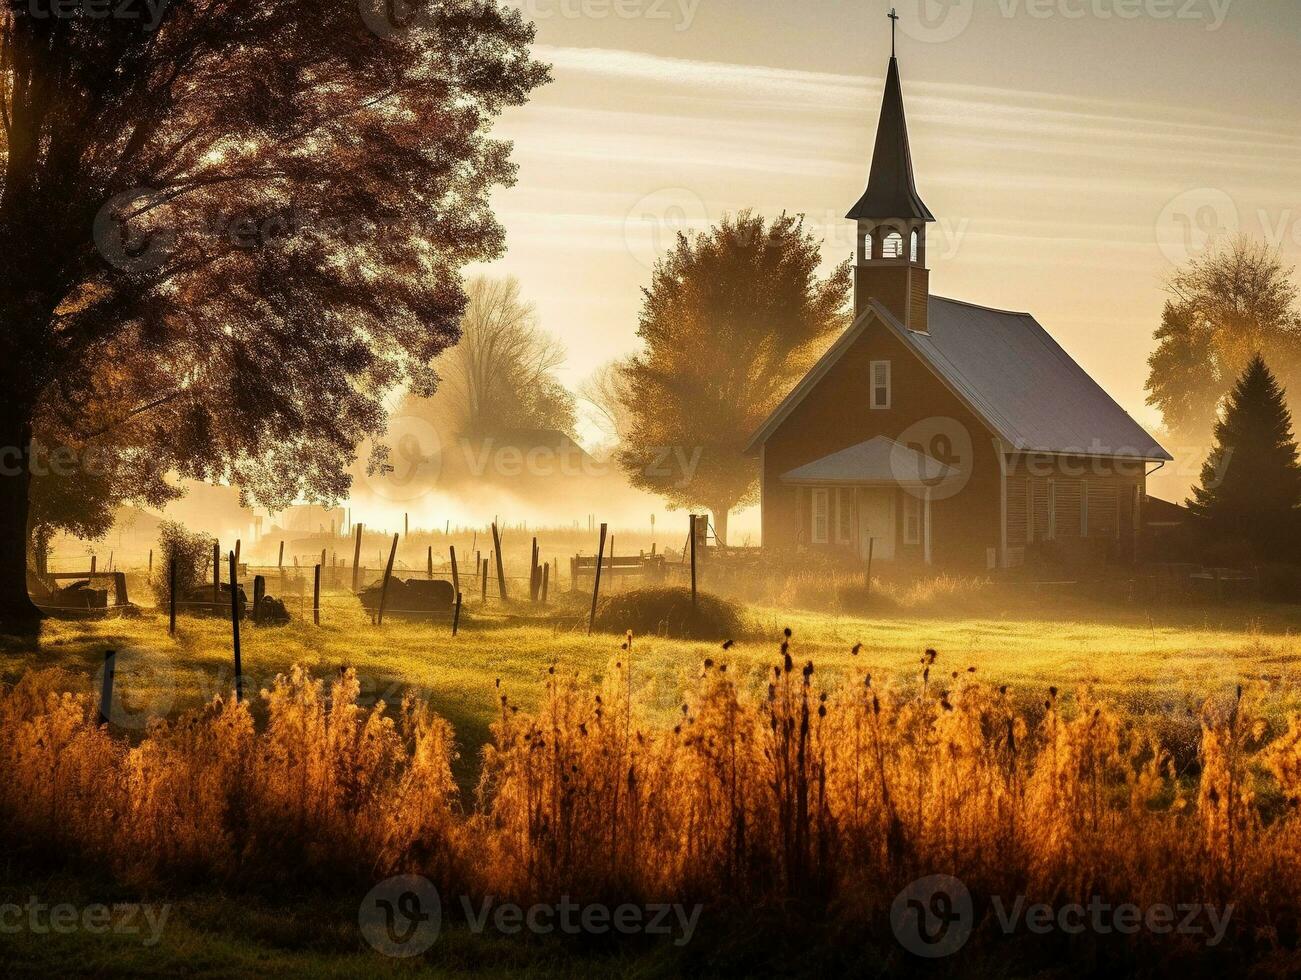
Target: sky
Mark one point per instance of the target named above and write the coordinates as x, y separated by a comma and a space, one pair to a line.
1074, 151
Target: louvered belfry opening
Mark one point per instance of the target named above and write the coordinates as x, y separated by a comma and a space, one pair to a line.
891, 218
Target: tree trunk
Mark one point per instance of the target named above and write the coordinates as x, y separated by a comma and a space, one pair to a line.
18, 615
720, 525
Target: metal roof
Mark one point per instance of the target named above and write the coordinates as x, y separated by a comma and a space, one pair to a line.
891, 191
1010, 373
879, 461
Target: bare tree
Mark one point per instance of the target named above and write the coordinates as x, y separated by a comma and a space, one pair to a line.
609, 392
501, 376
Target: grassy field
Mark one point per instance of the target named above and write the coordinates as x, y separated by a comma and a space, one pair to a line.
1147, 661
1161, 663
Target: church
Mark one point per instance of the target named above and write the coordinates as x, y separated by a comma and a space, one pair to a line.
939, 432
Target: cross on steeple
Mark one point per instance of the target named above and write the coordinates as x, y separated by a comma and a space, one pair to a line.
894, 26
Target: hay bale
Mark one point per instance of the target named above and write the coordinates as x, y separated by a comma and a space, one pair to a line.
411, 598
668, 612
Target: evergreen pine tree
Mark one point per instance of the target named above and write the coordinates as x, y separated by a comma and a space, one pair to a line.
1251, 483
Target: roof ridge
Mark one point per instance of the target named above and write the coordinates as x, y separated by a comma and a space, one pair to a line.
978, 306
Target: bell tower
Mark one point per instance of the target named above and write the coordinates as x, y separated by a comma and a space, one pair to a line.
890, 262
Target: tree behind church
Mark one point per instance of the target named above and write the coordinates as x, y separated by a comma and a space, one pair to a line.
733, 318
1226, 305
1251, 484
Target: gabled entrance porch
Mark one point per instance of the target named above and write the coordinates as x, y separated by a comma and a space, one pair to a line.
872, 499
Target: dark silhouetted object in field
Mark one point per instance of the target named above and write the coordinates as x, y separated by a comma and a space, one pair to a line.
230, 236
719, 354
1251, 484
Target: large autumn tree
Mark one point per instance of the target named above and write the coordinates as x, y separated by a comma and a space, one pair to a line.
1225, 306
732, 319
227, 235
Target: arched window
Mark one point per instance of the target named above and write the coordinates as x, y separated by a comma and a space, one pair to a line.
916, 245
892, 246
867, 247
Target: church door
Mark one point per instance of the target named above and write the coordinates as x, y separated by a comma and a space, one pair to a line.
876, 510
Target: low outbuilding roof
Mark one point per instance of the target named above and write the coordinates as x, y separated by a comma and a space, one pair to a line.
878, 462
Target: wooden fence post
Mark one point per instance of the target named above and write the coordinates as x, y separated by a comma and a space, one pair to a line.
456, 615
501, 570
429, 562
234, 626
171, 602
483, 567
316, 597
383, 589
150, 573
356, 559
693, 561
92, 564
456, 572
106, 687
596, 584
534, 583
216, 577
871, 547
546, 581
259, 593
281, 563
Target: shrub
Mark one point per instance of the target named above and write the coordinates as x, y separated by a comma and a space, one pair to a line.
193, 554
669, 612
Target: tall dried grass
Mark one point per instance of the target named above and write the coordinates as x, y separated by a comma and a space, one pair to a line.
836, 795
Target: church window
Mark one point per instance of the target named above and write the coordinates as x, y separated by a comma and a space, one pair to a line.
892, 247
912, 519
821, 516
881, 384
844, 515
